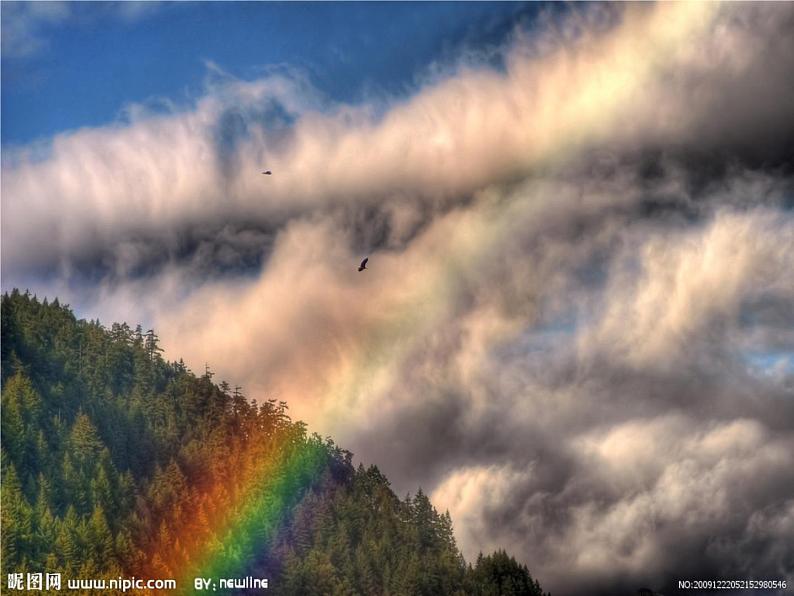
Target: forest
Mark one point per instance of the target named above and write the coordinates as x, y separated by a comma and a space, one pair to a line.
118, 463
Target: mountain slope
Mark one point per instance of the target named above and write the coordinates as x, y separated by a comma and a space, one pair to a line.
118, 463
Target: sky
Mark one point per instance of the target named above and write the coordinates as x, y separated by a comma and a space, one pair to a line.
576, 328
70, 65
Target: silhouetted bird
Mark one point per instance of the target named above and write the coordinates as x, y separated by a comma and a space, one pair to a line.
267, 172
363, 264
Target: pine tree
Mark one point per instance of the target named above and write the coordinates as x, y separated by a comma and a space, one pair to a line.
85, 443
100, 539
67, 544
17, 522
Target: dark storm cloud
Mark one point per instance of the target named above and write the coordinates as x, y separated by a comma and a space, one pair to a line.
592, 445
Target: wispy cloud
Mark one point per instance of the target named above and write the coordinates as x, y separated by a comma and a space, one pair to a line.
27, 24
24, 25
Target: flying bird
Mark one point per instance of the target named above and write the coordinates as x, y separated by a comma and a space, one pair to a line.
267, 172
363, 264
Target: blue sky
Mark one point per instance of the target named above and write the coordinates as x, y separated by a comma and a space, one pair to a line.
78, 64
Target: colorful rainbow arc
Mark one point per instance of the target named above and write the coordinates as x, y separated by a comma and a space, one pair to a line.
274, 485
263, 505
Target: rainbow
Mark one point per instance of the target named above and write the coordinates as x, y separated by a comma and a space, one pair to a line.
265, 500
256, 485
258, 500
593, 96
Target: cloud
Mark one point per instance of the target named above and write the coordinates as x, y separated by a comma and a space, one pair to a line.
135, 10
27, 25
24, 25
652, 500
467, 131
574, 262
692, 286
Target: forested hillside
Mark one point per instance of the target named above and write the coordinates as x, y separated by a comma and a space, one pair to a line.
116, 462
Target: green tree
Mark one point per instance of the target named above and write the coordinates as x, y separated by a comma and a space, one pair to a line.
17, 523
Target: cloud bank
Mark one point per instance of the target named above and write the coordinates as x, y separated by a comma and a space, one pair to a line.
577, 328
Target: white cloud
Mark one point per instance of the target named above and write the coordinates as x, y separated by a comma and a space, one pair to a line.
691, 282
